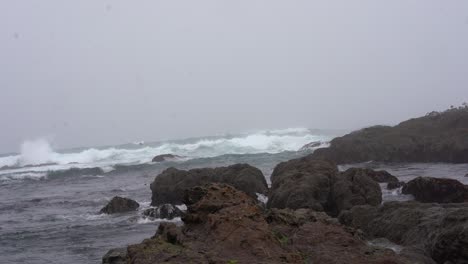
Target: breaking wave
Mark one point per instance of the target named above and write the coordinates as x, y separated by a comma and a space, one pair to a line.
39, 153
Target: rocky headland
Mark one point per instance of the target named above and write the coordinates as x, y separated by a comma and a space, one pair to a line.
436, 137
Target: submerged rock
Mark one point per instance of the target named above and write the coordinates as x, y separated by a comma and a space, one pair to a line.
317, 184
165, 157
438, 137
120, 205
115, 256
439, 190
224, 225
169, 186
439, 231
165, 211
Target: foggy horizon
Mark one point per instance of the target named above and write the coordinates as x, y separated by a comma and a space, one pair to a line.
111, 72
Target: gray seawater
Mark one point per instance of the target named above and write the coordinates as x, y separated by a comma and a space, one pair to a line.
56, 219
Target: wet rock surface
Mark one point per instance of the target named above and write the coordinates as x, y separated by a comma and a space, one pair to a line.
169, 186
224, 225
120, 205
437, 231
438, 190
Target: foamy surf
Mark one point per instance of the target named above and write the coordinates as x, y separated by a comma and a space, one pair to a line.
39, 156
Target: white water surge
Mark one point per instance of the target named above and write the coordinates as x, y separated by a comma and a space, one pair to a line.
39, 152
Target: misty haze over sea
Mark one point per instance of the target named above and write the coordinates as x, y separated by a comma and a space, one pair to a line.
98, 99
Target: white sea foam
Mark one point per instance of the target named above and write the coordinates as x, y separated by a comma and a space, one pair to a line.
147, 220
35, 152
262, 198
393, 195
24, 175
39, 151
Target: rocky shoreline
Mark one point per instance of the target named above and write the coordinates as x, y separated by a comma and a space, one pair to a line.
316, 213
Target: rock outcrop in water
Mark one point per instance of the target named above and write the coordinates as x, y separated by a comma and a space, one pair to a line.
436, 137
165, 211
317, 184
311, 146
224, 225
169, 186
120, 205
439, 231
436, 190
165, 157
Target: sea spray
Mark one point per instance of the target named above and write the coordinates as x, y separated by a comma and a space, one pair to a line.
35, 152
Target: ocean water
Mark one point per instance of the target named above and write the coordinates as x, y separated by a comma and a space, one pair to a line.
50, 217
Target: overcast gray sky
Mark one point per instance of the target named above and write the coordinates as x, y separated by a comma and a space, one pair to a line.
102, 72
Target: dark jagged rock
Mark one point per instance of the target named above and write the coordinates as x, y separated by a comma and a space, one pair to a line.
120, 205
439, 190
439, 231
115, 256
438, 137
74, 172
317, 184
165, 211
169, 186
164, 157
224, 225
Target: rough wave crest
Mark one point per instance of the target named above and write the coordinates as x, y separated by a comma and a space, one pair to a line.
39, 152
